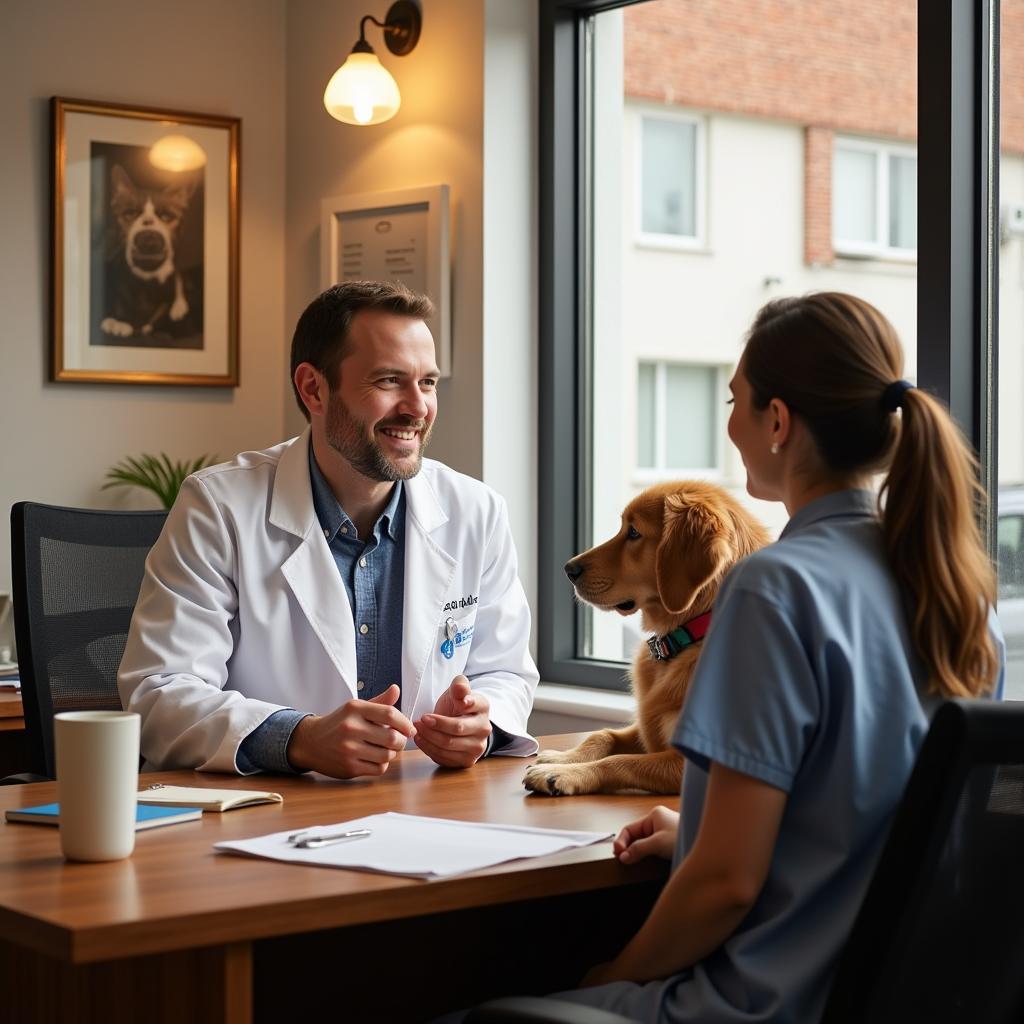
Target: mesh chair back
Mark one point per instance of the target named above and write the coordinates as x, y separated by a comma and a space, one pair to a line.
940, 936
76, 575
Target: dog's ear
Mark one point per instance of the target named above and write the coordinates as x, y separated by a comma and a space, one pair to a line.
695, 547
176, 196
181, 190
120, 182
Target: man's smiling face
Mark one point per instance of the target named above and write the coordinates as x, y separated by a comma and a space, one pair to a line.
380, 416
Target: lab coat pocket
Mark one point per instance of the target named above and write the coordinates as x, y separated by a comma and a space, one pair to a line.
454, 639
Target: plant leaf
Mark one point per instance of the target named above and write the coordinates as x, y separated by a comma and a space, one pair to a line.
162, 476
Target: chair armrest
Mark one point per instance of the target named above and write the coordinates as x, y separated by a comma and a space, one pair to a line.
528, 1010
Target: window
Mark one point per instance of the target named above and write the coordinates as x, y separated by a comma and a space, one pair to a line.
874, 199
679, 420
616, 316
670, 180
1009, 476
1011, 555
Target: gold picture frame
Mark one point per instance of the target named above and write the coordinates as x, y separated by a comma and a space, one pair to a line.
145, 245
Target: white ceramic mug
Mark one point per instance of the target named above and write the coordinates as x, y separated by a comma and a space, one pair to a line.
97, 755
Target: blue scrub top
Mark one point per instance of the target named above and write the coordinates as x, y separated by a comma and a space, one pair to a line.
810, 682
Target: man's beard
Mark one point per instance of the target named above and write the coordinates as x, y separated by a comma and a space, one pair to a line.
350, 437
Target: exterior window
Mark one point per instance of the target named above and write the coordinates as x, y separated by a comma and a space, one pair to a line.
874, 199
1011, 554
679, 410
643, 310
670, 180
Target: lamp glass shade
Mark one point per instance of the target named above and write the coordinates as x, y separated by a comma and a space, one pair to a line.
362, 91
177, 153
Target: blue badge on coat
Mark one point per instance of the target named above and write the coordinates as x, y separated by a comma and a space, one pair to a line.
454, 637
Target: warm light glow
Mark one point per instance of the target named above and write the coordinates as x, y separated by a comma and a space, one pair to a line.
177, 153
362, 91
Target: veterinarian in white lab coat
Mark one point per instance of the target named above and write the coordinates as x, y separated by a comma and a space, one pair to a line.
815, 687
318, 605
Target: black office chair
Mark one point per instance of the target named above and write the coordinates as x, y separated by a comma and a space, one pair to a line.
940, 935
76, 575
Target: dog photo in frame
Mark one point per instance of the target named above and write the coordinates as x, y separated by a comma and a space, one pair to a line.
145, 245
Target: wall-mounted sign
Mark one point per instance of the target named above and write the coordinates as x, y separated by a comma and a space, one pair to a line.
400, 235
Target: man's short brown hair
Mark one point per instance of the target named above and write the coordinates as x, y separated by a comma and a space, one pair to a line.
322, 333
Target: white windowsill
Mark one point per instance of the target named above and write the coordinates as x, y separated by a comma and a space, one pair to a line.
603, 705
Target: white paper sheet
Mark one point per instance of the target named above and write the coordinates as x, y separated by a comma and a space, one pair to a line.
403, 844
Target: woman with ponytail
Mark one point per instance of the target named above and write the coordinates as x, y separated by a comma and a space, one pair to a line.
828, 653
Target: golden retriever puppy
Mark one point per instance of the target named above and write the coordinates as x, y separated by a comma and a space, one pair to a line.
676, 544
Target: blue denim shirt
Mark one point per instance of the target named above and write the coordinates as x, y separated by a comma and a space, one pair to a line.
373, 572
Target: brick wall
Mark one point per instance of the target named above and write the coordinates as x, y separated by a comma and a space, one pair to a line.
1011, 69
818, 196
846, 65
829, 65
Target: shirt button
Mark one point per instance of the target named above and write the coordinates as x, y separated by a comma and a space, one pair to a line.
327, 534
364, 629
362, 563
344, 529
360, 685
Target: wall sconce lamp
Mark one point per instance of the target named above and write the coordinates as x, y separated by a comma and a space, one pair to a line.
362, 90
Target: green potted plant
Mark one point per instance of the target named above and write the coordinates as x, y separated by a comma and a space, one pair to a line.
159, 475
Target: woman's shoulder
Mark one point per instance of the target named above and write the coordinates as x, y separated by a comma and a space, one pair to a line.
771, 566
810, 563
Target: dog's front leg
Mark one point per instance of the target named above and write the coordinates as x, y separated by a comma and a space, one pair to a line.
179, 307
653, 773
597, 745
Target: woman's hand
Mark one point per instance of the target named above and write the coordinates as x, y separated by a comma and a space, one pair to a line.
654, 835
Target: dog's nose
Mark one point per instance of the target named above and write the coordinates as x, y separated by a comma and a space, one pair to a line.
574, 569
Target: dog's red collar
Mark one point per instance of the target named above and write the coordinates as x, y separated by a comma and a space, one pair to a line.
664, 648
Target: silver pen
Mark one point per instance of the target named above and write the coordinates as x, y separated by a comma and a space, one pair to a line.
315, 842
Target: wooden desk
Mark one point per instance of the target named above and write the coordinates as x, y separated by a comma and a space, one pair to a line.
12, 715
178, 932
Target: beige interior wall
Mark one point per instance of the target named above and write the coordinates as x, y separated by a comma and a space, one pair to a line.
228, 57
267, 61
436, 138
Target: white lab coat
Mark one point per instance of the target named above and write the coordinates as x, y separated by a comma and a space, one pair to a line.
242, 609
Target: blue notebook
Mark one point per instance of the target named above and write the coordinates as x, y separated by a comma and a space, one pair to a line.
146, 815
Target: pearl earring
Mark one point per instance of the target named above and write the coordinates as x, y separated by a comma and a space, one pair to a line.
775, 447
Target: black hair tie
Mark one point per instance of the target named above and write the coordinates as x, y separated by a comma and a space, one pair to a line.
892, 396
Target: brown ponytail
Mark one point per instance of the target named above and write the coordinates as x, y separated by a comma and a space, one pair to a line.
931, 502
831, 358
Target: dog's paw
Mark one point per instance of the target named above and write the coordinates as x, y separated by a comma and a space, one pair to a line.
116, 327
179, 308
560, 780
554, 757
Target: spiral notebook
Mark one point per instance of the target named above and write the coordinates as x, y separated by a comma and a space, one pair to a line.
208, 799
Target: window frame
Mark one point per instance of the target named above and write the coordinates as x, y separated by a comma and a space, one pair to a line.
957, 339
646, 475
656, 239
882, 151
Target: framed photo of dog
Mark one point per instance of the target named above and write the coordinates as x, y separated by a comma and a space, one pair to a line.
145, 245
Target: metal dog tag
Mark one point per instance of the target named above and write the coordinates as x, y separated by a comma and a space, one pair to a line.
658, 648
